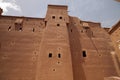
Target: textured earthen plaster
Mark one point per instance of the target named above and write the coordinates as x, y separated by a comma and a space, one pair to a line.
57, 47
115, 36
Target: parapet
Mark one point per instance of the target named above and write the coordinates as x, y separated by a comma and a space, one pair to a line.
58, 6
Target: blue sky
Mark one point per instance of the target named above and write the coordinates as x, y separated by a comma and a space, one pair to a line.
105, 11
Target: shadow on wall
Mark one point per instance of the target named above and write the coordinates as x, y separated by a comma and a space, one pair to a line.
76, 53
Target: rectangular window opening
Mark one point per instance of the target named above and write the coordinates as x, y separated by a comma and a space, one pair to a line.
59, 55
84, 54
50, 55
33, 30
58, 24
86, 27
60, 17
53, 17
45, 23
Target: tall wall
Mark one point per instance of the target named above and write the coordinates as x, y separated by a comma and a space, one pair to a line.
55, 56
91, 51
19, 49
99, 56
75, 46
56, 48
115, 36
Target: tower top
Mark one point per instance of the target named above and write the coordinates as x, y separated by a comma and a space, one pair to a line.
58, 13
58, 6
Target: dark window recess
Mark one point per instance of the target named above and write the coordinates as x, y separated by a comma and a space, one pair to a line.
58, 24
67, 24
86, 27
71, 30
53, 17
84, 54
60, 17
45, 23
9, 28
59, 55
20, 29
33, 30
50, 55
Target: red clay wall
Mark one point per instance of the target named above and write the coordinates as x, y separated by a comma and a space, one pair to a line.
96, 42
57, 48
55, 41
19, 49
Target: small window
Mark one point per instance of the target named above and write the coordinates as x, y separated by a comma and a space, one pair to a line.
58, 24
59, 55
9, 28
45, 23
20, 29
84, 53
33, 30
53, 17
60, 17
86, 27
50, 55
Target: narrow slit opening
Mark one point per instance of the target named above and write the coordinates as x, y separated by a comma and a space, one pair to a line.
84, 54
59, 55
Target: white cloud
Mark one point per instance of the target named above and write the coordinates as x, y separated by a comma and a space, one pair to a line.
9, 4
